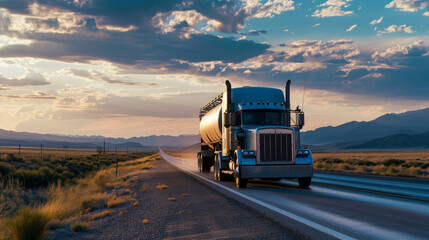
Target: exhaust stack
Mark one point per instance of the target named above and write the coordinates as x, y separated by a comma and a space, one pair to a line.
228, 96
287, 98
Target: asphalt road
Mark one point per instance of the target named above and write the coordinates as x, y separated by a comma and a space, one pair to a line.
197, 212
341, 206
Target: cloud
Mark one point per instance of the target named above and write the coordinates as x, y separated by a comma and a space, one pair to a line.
93, 106
95, 75
36, 96
255, 32
395, 29
333, 8
408, 5
351, 28
415, 49
426, 14
376, 21
31, 79
256, 9
316, 25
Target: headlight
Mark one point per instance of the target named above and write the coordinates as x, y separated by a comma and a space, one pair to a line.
247, 153
302, 152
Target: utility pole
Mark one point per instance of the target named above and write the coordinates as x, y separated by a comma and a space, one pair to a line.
104, 148
41, 150
19, 150
116, 150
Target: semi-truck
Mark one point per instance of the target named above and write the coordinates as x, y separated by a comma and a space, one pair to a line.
252, 133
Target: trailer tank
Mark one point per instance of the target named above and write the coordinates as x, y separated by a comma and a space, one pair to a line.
211, 125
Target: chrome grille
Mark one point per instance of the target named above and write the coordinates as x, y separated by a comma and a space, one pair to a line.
275, 147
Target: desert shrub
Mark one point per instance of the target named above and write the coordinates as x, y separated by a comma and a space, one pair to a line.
79, 226
5, 169
11, 157
29, 224
394, 162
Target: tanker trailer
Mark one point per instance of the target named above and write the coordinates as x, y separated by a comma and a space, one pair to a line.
251, 132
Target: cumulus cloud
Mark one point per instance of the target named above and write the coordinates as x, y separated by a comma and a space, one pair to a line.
415, 49
351, 28
258, 9
426, 14
395, 29
333, 8
408, 5
376, 21
31, 79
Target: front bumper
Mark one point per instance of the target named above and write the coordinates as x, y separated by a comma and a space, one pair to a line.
277, 171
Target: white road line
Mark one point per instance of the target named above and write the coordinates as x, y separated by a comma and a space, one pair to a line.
295, 217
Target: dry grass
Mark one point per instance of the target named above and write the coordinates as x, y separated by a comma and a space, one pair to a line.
99, 215
172, 199
161, 186
118, 200
145, 221
28, 224
136, 203
80, 226
95, 191
402, 164
185, 194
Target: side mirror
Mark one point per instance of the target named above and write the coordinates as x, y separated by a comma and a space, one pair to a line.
301, 120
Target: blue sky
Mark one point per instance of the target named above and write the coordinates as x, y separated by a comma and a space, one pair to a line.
135, 68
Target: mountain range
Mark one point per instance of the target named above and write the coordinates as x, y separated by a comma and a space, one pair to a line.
401, 125
390, 131
26, 139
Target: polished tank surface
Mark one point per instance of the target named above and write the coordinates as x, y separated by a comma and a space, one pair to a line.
211, 125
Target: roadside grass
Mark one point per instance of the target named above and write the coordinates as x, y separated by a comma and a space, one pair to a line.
398, 164
28, 224
101, 214
62, 203
80, 226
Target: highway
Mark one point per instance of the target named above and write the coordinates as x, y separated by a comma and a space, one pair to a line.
336, 206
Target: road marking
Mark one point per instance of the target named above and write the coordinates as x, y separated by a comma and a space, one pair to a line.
295, 217
370, 191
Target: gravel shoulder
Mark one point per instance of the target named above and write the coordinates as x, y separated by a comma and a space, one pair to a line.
187, 209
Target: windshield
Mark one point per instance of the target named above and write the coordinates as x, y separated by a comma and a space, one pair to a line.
263, 117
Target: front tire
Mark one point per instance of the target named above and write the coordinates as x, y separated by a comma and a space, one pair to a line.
240, 182
304, 182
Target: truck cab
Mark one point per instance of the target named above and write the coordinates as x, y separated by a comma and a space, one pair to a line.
251, 132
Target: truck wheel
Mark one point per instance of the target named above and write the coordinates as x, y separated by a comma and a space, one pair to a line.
216, 168
219, 176
304, 182
240, 182
205, 165
200, 169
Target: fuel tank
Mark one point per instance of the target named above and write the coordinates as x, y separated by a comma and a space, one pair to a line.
211, 125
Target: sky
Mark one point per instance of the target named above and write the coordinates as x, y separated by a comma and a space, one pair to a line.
137, 68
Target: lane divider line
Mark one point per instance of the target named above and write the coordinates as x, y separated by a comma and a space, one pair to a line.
370, 191
295, 217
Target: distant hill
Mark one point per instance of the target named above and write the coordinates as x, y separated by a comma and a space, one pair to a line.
413, 122
396, 141
10, 138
